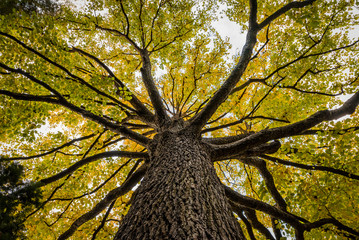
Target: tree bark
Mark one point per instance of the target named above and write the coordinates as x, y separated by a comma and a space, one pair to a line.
180, 196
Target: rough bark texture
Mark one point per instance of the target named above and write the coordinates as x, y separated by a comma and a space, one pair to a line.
180, 196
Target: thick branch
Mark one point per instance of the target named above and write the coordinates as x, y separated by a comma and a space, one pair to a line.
88, 160
298, 223
266, 135
266, 148
110, 197
200, 119
152, 90
263, 207
221, 95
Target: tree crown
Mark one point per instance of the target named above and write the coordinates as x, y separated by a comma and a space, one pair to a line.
108, 76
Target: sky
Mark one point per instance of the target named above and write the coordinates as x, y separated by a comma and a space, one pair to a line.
232, 30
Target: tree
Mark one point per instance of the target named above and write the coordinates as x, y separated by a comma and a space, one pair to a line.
154, 131
16, 200
28, 6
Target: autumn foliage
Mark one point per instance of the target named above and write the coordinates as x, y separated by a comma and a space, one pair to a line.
87, 88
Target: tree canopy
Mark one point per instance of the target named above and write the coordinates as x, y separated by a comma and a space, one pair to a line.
85, 89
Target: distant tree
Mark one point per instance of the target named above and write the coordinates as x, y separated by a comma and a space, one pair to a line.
28, 6
136, 123
17, 198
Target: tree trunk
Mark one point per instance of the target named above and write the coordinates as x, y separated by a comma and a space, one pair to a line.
180, 196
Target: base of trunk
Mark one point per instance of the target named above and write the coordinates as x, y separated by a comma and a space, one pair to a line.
180, 196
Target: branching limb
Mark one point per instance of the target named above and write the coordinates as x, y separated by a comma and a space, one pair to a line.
103, 222
32, 78
298, 223
88, 160
120, 34
142, 111
48, 199
263, 46
283, 10
303, 56
268, 178
239, 212
93, 144
266, 148
59, 66
311, 167
252, 216
246, 84
263, 207
61, 214
123, 138
110, 197
158, 47
335, 131
162, 117
294, 86
136, 126
333, 221
153, 22
140, 139
266, 135
200, 119
97, 188
30, 97
276, 230
240, 121
225, 140
258, 104
147, 78
52, 150
126, 17
246, 156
